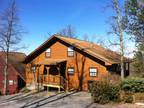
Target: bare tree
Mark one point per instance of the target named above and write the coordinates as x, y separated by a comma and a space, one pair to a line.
10, 35
117, 27
80, 61
68, 31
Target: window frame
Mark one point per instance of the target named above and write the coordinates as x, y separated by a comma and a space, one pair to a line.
11, 82
126, 66
48, 51
71, 72
93, 72
71, 48
34, 69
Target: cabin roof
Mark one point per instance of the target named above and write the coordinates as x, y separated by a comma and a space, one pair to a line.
16, 60
97, 51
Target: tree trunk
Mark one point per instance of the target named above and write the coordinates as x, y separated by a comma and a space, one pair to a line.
5, 74
121, 36
122, 59
38, 79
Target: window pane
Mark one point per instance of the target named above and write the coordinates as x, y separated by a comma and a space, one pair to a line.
127, 66
71, 70
11, 82
33, 68
70, 49
47, 54
93, 71
3, 81
48, 50
70, 53
94, 74
90, 74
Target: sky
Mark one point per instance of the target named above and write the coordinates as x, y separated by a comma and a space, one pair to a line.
43, 17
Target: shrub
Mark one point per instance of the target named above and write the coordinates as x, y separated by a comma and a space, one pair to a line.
133, 84
114, 78
139, 97
103, 92
127, 97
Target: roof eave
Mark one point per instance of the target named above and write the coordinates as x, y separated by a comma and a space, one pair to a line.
106, 61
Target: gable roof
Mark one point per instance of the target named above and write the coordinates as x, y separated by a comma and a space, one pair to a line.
97, 51
16, 60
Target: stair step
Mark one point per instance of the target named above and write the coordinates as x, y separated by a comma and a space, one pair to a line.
51, 85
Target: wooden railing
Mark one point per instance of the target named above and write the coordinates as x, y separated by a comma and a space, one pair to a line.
63, 82
53, 80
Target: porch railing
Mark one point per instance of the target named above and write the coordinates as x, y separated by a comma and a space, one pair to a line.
53, 80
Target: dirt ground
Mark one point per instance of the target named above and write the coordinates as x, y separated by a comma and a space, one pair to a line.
56, 100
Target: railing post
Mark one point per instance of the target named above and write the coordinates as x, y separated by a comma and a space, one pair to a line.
47, 76
38, 78
67, 85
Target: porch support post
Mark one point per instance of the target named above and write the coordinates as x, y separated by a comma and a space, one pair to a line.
59, 89
67, 86
38, 79
47, 89
60, 78
67, 81
47, 78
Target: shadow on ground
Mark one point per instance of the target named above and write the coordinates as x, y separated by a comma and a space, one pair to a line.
44, 101
20, 96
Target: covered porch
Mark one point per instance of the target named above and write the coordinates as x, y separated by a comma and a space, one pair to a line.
53, 75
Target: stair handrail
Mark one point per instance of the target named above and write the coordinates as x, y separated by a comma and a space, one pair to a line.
63, 82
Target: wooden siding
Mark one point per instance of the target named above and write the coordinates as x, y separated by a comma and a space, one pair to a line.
59, 51
12, 75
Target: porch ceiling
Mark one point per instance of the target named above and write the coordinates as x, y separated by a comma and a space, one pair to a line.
50, 61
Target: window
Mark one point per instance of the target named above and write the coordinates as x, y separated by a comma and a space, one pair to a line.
127, 66
118, 67
71, 70
70, 52
3, 81
33, 69
48, 52
93, 71
11, 82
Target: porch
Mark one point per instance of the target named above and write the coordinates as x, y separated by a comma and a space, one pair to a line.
53, 74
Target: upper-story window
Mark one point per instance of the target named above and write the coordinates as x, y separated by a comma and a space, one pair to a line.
48, 52
70, 52
93, 71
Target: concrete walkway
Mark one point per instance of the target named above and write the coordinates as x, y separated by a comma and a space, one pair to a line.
56, 100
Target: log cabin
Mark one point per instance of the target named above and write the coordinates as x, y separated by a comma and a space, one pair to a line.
16, 72
69, 63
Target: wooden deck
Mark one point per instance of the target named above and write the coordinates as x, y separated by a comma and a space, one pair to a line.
54, 81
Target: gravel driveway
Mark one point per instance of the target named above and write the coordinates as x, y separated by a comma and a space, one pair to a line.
55, 100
